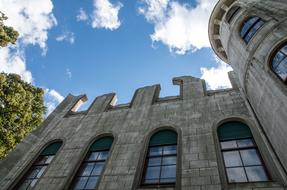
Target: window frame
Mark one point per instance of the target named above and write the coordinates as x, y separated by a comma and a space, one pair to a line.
159, 184
271, 58
254, 147
85, 153
85, 161
250, 28
23, 176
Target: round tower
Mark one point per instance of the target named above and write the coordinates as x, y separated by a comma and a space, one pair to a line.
251, 36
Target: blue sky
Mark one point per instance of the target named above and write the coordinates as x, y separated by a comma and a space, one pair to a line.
102, 46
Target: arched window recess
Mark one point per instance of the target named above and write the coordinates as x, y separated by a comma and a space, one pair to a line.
161, 159
242, 159
92, 167
36, 171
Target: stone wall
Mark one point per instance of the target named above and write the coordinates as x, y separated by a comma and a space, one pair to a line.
266, 93
194, 114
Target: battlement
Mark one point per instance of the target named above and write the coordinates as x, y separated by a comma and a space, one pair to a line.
191, 89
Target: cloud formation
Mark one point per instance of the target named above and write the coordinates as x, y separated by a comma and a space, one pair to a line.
216, 77
82, 15
105, 15
32, 19
13, 61
179, 26
52, 99
66, 36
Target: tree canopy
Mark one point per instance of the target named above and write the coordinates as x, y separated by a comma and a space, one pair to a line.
7, 34
21, 110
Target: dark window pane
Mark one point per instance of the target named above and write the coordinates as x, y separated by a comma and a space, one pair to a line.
80, 182
232, 158
86, 169
151, 181
98, 168
92, 156
281, 70
152, 173
250, 157
169, 160
228, 144
169, 150
236, 175
92, 182
154, 161
256, 173
24, 185
155, 151
103, 155
245, 143
33, 172
41, 160
168, 171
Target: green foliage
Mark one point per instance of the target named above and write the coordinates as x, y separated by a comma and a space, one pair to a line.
21, 110
7, 34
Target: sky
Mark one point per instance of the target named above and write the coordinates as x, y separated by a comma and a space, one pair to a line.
95, 47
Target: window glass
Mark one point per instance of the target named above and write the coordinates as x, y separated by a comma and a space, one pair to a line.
92, 166
236, 175
250, 157
232, 158
242, 160
256, 173
160, 167
250, 27
39, 166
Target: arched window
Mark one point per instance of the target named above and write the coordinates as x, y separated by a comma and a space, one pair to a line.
39, 166
242, 159
91, 168
231, 13
160, 163
279, 63
250, 27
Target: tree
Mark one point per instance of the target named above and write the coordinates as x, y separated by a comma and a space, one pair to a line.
21, 110
7, 34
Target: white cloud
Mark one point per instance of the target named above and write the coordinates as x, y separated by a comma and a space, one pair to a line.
32, 19
216, 77
179, 26
52, 99
66, 36
105, 14
14, 62
82, 16
69, 73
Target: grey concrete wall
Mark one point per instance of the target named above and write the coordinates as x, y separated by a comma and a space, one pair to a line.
194, 114
264, 90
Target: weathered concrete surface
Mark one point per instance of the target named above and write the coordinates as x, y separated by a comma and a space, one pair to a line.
266, 93
194, 114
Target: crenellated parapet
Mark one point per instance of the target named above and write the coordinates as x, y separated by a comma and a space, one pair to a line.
190, 89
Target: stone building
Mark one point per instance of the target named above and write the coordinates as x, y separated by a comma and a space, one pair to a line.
199, 140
